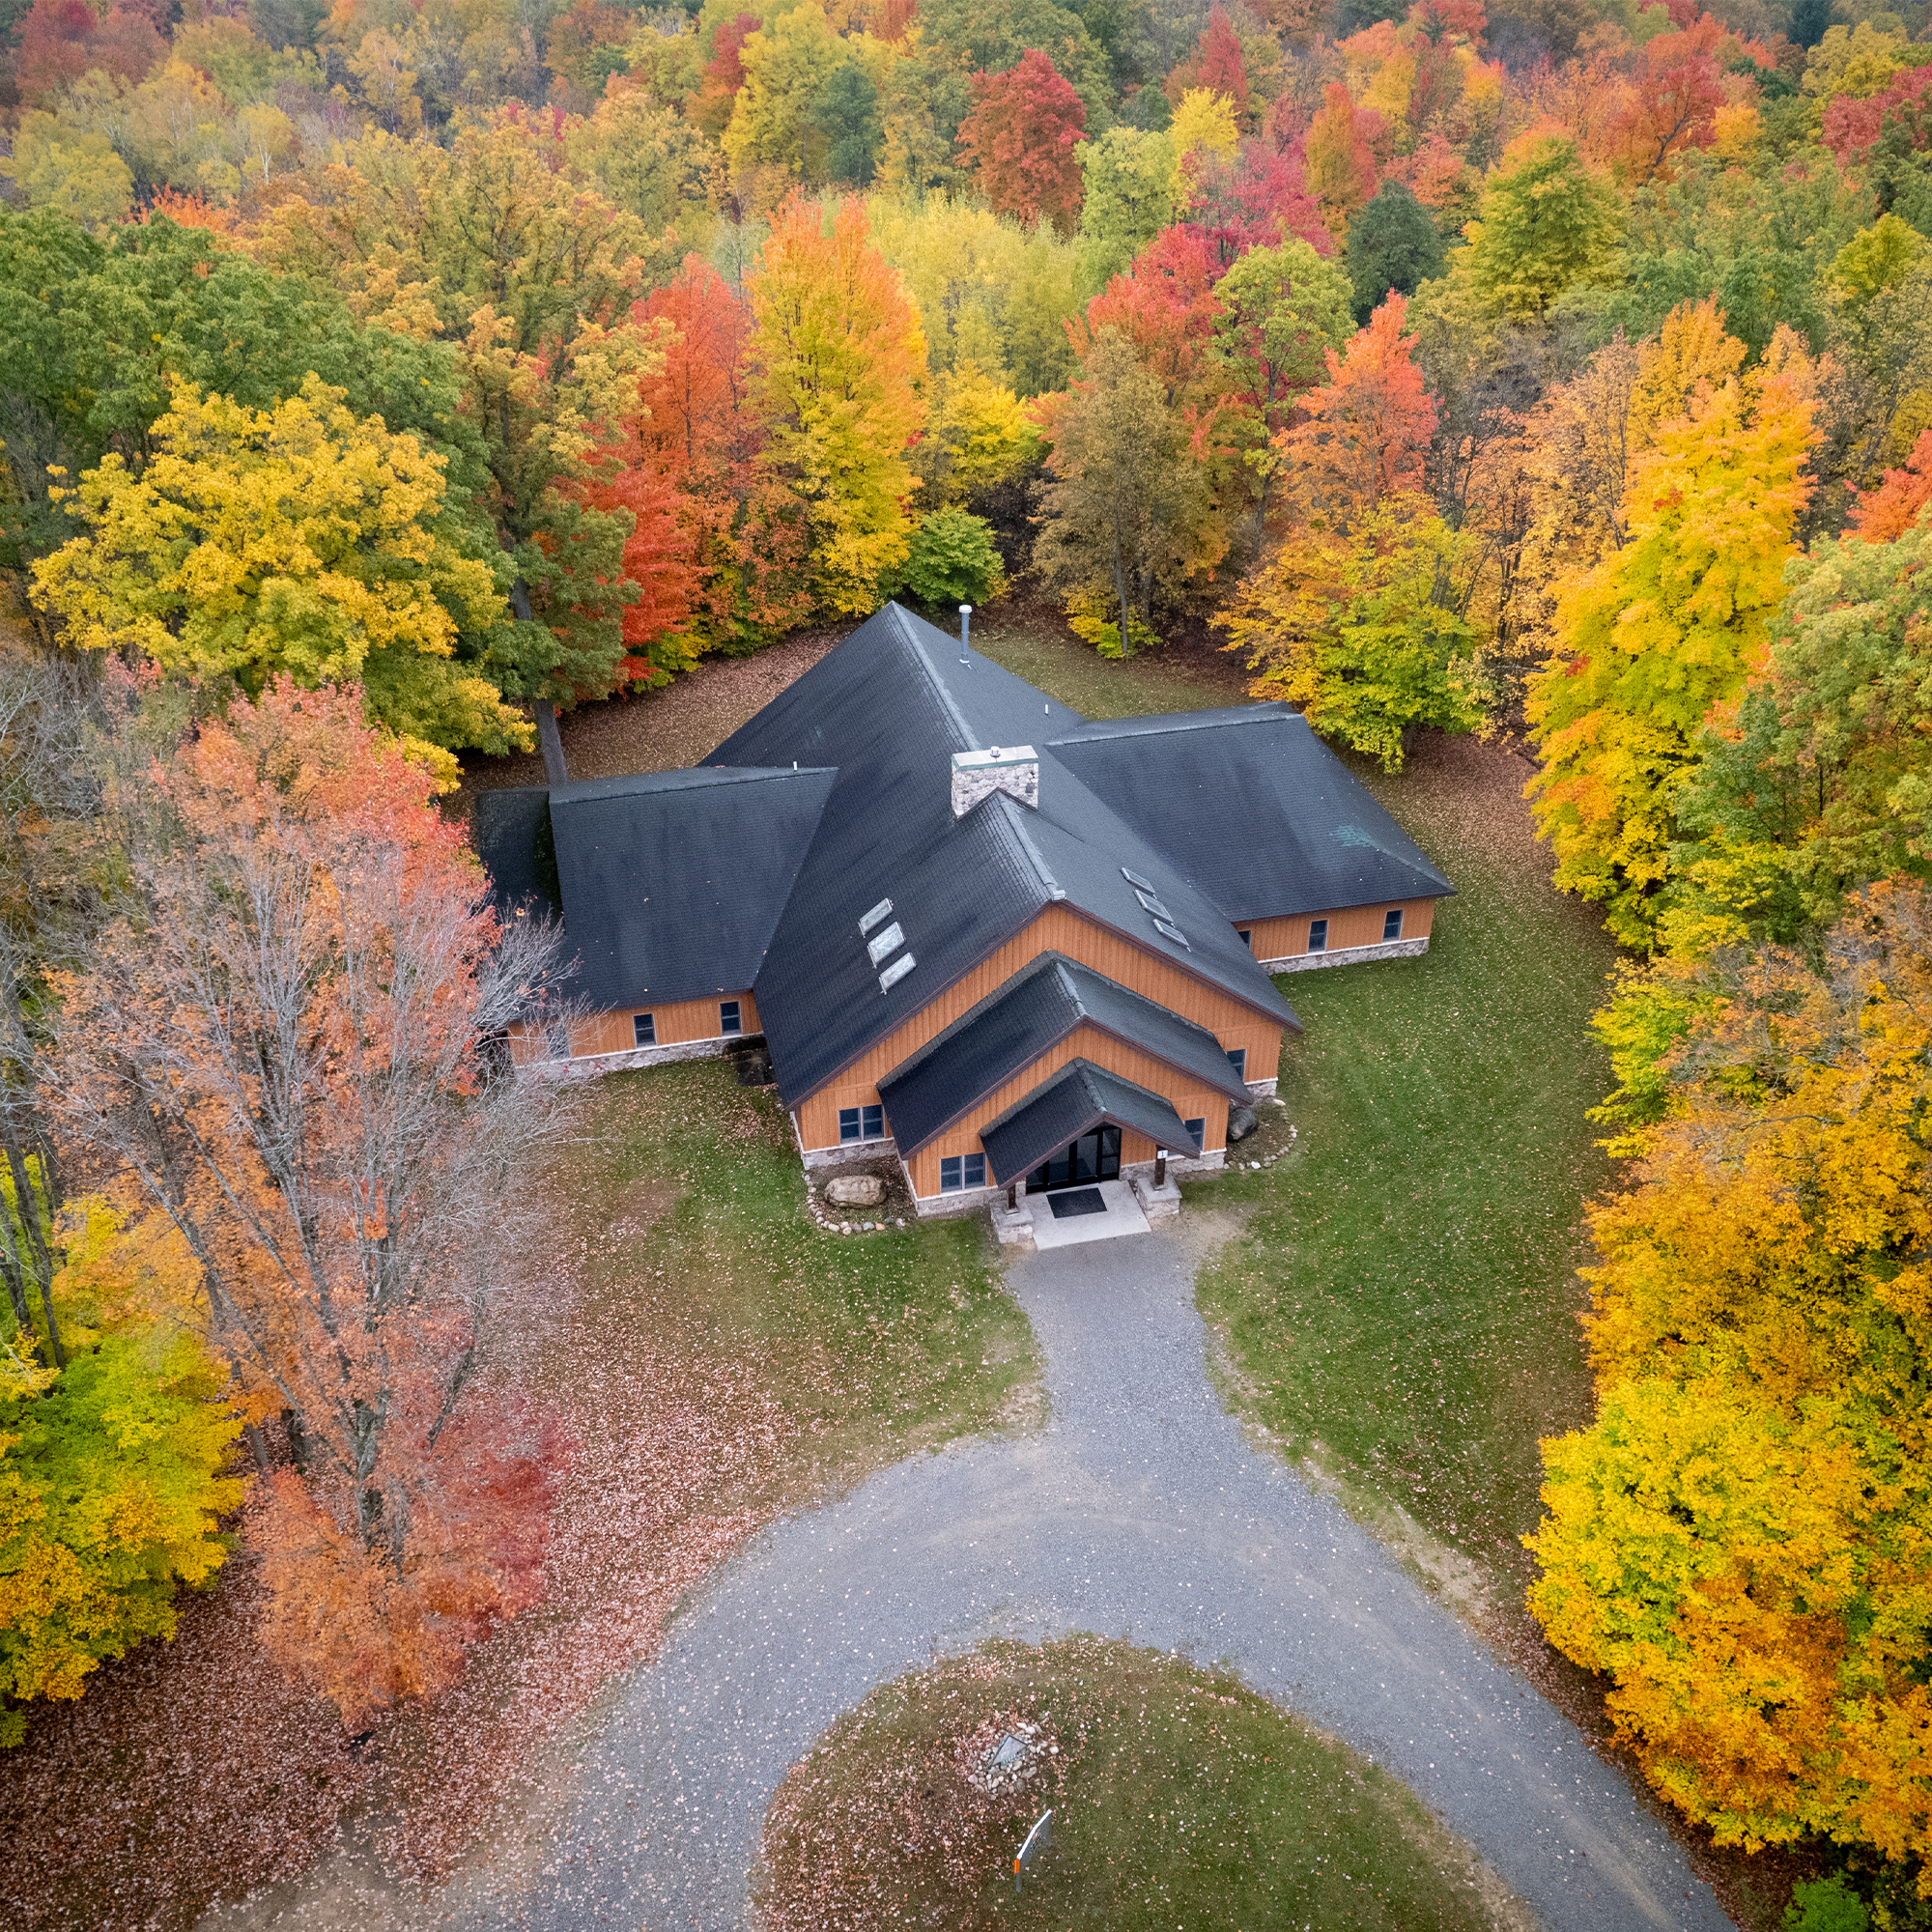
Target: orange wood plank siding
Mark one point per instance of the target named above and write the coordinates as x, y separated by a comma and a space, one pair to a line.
678, 1022
1348, 926
1056, 929
1084, 1043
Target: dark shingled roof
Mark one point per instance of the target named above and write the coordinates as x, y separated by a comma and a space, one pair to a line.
513, 840
888, 708
1080, 1097
1314, 837
672, 881
1041, 1004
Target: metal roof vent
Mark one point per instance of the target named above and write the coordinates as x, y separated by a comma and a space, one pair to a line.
1013, 769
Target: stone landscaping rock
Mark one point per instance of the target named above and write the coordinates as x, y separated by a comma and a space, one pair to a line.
1242, 1122
855, 1190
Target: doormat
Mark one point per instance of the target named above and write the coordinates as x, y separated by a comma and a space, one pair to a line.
1076, 1200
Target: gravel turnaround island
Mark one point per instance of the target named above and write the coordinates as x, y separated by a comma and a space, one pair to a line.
1140, 1511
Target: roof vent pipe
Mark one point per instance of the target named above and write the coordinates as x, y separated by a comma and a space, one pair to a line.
1013, 769
965, 631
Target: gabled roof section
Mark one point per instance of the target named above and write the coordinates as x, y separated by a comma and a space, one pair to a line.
672, 881
888, 708
514, 841
1080, 1097
1313, 835
1040, 1005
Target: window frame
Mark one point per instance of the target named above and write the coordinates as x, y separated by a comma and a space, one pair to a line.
872, 1121
1237, 1059
1246, 935
849, 1116
732, 1028
1391, 925
1197, 1131
961, 1173
645, 1029
1318, 935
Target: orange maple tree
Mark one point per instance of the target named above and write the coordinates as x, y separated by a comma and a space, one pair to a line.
281, 1045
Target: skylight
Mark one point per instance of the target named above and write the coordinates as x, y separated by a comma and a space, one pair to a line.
1173, 933
1149, 903
896, 972
882, 910
1135, 880
883, 943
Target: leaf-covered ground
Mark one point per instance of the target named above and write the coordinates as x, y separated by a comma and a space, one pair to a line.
1179, 1798
717, 1358
1403, 1304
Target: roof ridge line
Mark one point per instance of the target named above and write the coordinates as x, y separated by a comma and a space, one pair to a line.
1181, 720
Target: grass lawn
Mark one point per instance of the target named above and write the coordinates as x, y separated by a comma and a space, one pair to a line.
1179, 1798
1401, 1304
1034, 643
688, 1198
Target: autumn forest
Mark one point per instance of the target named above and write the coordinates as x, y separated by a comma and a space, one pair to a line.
380, 380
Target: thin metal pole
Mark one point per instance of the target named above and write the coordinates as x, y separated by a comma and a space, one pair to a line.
965, 630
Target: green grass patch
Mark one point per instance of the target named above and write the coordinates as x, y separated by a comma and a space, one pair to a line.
1053, 660
1402, 1305
687, 1195
1179, 1798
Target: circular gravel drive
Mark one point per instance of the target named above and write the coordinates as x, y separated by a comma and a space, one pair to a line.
1140, 1513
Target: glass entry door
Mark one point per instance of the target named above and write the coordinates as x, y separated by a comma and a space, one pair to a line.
1095, 1156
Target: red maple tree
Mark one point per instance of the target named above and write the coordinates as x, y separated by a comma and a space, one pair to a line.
1365, 433
1215, 64
62, 39
1020, 136
1884, 513
1257, 200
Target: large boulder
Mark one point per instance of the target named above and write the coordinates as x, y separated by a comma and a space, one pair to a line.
855, 1190
1242, 1122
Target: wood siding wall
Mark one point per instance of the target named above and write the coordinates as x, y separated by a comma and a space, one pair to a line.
1056, 929
1084, 1043
678, 1022
1348, 926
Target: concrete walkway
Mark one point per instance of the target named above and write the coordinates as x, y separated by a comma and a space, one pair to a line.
1140, 1513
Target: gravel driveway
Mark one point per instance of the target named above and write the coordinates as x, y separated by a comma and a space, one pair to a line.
1140, 1513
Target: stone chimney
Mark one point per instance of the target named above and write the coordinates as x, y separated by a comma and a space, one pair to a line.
1013, 769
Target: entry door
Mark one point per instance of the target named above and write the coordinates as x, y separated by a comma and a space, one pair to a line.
1095, 1156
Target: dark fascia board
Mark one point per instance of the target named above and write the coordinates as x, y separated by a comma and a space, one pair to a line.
1221, 1075
1073, 1101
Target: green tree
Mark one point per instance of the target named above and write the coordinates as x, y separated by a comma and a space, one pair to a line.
73, 171
1133, 191
952, 561
93, 333
1393, 244
1822, 780
1362, 630
497, 245
1547, 224
1125, 514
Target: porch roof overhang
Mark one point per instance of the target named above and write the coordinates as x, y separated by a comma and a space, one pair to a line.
1073, 1101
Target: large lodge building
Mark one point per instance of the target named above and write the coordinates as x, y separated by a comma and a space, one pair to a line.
1011, 948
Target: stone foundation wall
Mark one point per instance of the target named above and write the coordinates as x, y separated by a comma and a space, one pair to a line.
1344, 955
588, 1065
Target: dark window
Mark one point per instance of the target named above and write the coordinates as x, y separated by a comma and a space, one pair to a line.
1197, 1132
871, 1124
1247, 936
1318, 935
645, 1029
959, 1172
1392, 924
558, 1039
848, 1124
1238, 1061
729, 1021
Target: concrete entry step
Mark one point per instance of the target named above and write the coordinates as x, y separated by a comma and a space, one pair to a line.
1117, 1213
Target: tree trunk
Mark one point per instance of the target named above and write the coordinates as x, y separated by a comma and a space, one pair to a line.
549, 738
